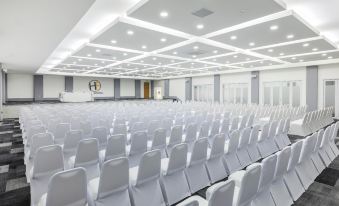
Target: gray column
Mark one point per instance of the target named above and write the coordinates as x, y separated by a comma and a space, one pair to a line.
116, 88
166, 88
137, 88
38, 84
217, 88
255, 87
312, 87
152, 89
4, 87
1, 91
68, 84
188, 88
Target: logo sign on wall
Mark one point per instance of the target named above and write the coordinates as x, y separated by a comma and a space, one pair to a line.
95, 86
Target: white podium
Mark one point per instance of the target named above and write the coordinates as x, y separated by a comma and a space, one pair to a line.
76, 97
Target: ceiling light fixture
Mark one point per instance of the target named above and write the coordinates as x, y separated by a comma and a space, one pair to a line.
251, 44
89, 55
215, 51
130, 32
125, 54
306, 45
200, 26
175, 53
113, 41
281, 54
98, 50
330, 57
290, 36
315, 49
274, 27
164, 14
195, 47
79, 60
235, 56
324, 55
270, 50
154, 58
163, 39
144, 47
234, 37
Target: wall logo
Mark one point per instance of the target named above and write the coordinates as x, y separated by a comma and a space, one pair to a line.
94, 85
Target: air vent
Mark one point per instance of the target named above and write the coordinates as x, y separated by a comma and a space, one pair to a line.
202, 13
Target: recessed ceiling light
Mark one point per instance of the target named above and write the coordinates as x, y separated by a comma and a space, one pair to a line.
290, 36
306, 45
154, 58
274, 27
98, 50
114, 58
125, 54
330, 57
192, 63
234, 37
141, 61
113, 41
95, 64
89, 55
200, 26
194, 56
144, 47
301, 60
172, 60
247, 59
74, 62
79, 60
324, 55
103, 62
227, 62
270, 50
215, 51
315, 49
281, 54
214, 60
163, 39
195, 47
130, 32
235, 56
175, 53
293, 58
164, 14
251, 44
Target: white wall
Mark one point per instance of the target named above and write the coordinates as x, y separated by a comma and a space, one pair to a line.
127, 87
177, 88
202, 80
80, 84
19, 86
326, 72
290, 74
244, 77
53, 85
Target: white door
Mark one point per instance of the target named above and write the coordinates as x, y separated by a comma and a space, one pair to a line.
331, 95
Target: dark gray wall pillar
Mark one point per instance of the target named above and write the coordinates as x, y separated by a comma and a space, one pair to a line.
4, 87
255, 87
166, 88
152, 89
217, 88
137, 88
1, 91
188, 88
68, 84
116, 88
312, 87
38, 84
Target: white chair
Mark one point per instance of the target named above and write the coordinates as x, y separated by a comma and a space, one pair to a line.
291, 179
215, 166
286, 129
220, 194
191, 136
175, 138
270, 141
215, 129
204, 129
225, 127
231, 160
40, 140
71, 142
253, 144
278, 138
87, 156
173, 180
137, 148
47, 162
75, 123
86, 128
196, 171
250, 120
246, 185
111, 188
159, 142
152, 126
115, 148
32, 131
144, 181
66, 188
234, 124
333, 146
262, 145
100, 133
315, 157
328, 147
263, 196
242, 153
243, 122
167, 123
279, 190
322, 149
60, 132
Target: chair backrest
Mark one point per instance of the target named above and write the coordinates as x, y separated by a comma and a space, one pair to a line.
282, 162
221, 193
61, 130
326, 137
35, 130
215, 127
264, 132
75, 123
191, 133
114, 177
167, 124
204, 129
218, 146
268, 166
295, 155
116, 147
233, 142
243, 122
280, 128
225, 126
178, 159
273, 129
72, 140
48, 160
138, 143
152, 126
199, 152
176, 135
120, 129
235, 123
244, 137
100, 133
320, 136
138, 126
149, 167
67, 188
249, 184
250, 121
306, 149
40, 140
87, 152
287, 126
86, 127
159, 140
254, 134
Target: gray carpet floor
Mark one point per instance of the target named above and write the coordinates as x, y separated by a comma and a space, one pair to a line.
15, 191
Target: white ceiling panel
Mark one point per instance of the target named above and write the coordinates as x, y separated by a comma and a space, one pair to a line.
313, 57
299, 48
196, 50
157, 61
192, 65
134, 37
87, 62
272, 32
102, 53
256, 64
213, 14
